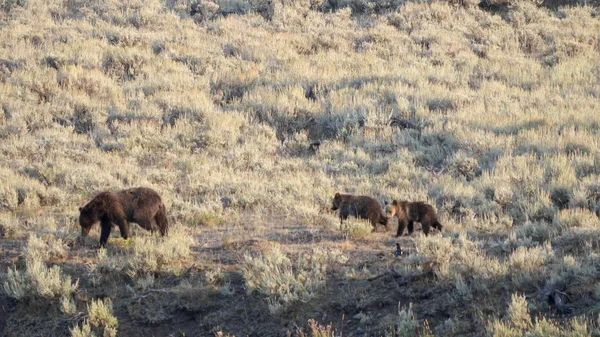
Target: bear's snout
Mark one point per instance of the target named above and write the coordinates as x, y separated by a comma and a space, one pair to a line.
85, 231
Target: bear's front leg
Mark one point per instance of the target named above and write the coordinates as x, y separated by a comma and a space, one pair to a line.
105, 226
401, 226
342, 219
426, 227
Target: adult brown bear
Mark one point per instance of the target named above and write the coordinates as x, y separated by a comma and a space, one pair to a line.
140, 205
359, 206
409, 212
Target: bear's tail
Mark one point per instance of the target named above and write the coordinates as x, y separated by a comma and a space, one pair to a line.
161, 220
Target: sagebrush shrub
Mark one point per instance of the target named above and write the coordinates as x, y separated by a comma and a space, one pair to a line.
40, 281
284, 281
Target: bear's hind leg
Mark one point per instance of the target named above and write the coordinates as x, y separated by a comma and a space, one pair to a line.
411, 227
161, 221
123, 227
146, 224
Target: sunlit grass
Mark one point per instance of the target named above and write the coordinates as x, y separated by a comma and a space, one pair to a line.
216, 104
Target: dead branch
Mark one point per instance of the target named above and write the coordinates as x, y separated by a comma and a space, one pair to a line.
80, 316
391, 272
435, 171
404, 123
147, 293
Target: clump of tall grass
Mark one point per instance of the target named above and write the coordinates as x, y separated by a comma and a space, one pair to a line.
144, 254
284, 281
100, 320
355, 229
452, 259
152, 253
519, 322
45, 247
315, 330
406, 324
39, 281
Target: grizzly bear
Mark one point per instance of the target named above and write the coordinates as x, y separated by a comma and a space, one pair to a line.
359, 206
140, 205
409, 212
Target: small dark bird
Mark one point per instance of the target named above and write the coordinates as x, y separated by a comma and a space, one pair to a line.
398, 251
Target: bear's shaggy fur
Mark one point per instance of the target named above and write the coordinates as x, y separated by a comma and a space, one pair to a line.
359, 206
140, 205
409, 212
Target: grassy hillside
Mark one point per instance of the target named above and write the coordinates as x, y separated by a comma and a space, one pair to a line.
493, 117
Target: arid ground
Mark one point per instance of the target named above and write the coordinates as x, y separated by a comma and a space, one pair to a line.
488, 111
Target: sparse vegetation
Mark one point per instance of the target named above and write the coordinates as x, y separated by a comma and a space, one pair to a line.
519, 323
248, 115
356, 228
39, 281
284, 282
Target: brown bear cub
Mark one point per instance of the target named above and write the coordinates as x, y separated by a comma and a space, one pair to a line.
409, 212
359, 206
140, 205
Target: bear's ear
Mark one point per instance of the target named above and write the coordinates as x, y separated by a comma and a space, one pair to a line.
395, 202
80, 208
337, 195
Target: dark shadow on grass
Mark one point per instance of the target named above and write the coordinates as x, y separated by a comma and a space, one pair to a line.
511, 130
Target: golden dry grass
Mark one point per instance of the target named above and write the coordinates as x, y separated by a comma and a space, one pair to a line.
215, 105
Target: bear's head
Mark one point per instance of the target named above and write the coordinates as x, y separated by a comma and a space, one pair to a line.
391, 210
337, 202
87, 218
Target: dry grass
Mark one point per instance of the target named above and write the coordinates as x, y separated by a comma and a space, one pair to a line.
216, 104
283, 281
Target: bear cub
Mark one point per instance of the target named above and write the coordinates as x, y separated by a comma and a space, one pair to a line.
359, 206
409, 212
140, 205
